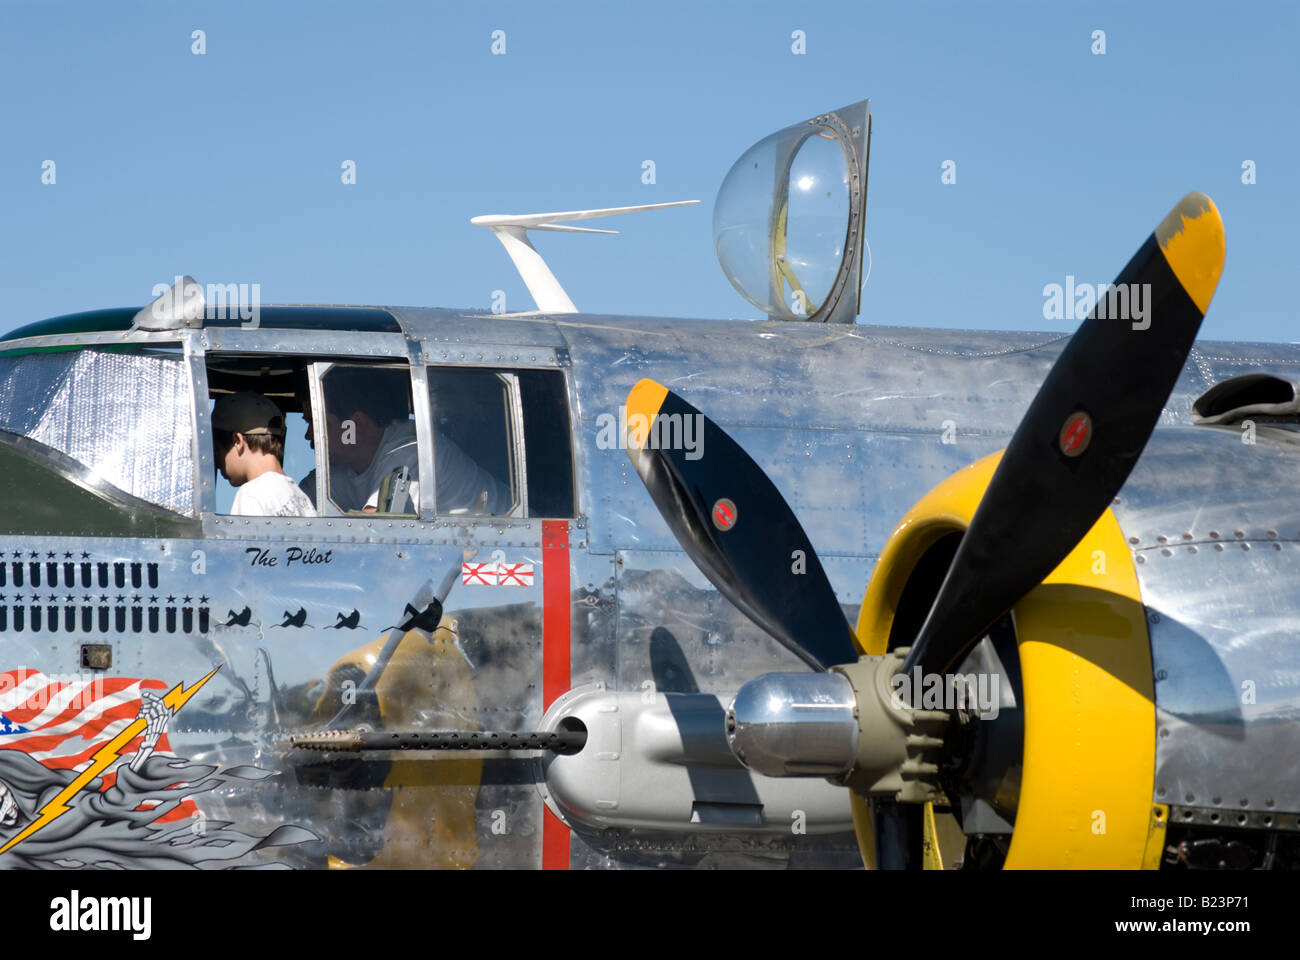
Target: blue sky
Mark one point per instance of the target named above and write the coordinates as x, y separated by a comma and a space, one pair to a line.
227, 165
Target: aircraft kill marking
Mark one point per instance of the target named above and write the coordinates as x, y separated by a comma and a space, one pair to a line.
496, 574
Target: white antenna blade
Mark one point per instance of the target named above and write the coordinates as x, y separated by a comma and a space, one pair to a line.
512, 231
546, 290
562, 229
537, 219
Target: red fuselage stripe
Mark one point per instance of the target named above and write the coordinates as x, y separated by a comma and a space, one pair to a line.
555, 662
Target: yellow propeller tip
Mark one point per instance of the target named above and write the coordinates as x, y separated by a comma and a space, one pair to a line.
1192, 240
644, 399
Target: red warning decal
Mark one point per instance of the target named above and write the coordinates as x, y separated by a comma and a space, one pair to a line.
724, 514
1076, 434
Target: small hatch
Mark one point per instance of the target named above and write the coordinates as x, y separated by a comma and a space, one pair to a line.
1253, 394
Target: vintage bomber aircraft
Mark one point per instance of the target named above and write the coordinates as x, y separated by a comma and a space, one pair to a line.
168, 669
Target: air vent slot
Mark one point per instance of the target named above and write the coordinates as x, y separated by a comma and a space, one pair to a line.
1254, 394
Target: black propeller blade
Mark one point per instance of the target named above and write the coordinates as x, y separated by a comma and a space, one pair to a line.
736, 526
1082, 434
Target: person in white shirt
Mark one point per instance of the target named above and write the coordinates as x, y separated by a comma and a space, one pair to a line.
374, 457
248, 439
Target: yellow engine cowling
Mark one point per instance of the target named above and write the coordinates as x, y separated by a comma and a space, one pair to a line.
1089, 694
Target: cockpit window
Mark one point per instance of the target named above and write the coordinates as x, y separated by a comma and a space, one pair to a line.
283, 380
370, 440
474, 442
124, 414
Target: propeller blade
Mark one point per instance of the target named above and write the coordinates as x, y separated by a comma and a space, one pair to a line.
1082, 433
736, 526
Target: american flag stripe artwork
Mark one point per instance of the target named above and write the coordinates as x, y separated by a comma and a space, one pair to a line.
62, 722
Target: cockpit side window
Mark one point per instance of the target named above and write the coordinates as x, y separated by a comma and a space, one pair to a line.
474, 448
502, 442
501, 439
548, 441
370, 440
282, 380
125, 413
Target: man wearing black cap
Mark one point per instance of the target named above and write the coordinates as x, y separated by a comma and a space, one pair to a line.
248, 438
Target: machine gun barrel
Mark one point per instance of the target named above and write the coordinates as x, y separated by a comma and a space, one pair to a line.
354, 741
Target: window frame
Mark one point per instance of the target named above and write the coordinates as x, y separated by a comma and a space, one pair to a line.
319, 361
425, 440
517, 455
318, 369
568, 398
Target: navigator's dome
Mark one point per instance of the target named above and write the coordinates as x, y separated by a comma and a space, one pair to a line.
781, 221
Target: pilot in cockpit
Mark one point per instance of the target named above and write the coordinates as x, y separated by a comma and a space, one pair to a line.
248, 439
374, 457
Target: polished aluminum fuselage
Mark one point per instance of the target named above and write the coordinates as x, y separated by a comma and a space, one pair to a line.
852, 423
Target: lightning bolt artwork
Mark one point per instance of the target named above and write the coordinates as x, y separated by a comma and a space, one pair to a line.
176, 698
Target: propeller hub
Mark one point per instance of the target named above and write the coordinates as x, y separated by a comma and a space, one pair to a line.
898, 745
849, 725
795, 725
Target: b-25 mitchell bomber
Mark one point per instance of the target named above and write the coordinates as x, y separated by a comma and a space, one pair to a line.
661, 592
